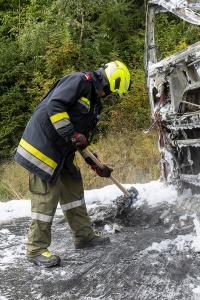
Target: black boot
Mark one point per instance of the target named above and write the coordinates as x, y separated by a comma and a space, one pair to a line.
45, 259
97, 240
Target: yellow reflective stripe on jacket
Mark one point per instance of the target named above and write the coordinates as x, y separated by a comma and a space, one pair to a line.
34, 160
92, 148
61, 123
75, 161
85, 100
35, 152
59, 116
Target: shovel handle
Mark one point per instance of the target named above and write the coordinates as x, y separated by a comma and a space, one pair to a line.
120, 186
88, 153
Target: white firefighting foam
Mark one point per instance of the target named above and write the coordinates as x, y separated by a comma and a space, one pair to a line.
152, 193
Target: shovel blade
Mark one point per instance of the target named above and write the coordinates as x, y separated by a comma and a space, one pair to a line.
124, 203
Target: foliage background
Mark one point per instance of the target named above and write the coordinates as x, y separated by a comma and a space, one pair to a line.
42, 40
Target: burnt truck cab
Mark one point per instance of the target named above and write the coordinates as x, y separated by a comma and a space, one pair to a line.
174, 94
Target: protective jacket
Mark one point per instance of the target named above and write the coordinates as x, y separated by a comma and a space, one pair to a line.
70, 106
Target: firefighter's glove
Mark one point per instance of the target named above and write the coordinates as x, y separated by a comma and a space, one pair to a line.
79, 141
89, 161
105, 171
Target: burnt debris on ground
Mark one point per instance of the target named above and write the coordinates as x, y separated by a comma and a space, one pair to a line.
150, 257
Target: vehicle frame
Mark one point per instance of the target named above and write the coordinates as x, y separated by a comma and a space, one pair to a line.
174, 93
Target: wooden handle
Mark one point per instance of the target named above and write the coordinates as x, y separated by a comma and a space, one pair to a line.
120, 186
88, 153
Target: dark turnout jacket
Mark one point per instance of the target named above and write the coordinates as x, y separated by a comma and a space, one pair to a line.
71, 105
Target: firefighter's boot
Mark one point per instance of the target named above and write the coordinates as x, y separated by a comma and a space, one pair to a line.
97, 240
45, 259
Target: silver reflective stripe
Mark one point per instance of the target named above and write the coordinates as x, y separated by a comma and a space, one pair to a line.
84, 154
61, 123
72, 204
84, 104
35, 161
41, 217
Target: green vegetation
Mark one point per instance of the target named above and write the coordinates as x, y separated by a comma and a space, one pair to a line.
40, 41
173, 38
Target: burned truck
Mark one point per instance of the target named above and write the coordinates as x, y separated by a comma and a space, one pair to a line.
174, 92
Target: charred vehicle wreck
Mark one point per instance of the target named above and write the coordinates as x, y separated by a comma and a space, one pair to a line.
174, 93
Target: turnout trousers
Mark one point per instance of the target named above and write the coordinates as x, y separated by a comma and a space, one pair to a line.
44, 200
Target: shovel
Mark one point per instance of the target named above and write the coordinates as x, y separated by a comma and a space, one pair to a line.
130, 196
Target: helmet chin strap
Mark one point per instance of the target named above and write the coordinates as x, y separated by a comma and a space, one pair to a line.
107, 90
104, 81
101, 83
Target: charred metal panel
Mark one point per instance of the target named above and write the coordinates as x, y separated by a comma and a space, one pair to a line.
181, 9
174, 94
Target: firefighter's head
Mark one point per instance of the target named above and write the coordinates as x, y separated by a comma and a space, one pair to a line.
116, 78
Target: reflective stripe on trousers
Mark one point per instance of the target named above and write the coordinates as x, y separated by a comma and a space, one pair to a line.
41, 217
73, 204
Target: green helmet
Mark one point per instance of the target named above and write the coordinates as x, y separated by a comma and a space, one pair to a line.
118, 77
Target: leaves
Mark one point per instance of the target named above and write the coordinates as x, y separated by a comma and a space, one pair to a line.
40, 41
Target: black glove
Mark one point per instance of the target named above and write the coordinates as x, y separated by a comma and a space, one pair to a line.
79, 141
89, 161
102, 172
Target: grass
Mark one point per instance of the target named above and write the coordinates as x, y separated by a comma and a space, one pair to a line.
13, 181
133, 156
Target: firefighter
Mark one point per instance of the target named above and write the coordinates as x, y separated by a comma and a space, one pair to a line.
61, 124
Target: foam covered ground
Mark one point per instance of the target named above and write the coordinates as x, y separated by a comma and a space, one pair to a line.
153, 255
